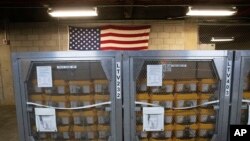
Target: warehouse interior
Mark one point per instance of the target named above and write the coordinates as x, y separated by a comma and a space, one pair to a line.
26, 26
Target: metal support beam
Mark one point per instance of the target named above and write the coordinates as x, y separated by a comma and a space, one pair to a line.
128, 10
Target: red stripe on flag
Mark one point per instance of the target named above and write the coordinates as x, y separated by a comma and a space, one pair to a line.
116, 48
125, 27
124, 42
124, 35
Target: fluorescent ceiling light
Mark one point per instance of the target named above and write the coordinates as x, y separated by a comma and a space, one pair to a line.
73, 12
222, 39
211, 12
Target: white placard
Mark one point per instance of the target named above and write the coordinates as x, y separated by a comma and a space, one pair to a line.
45, 120
153, 119
44, 76
154, 75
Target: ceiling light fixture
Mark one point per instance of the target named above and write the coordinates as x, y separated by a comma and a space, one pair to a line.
211, 12
73, 12
222, 39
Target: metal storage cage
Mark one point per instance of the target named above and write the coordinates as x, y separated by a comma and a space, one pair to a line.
79, 79
193, 93
241, 88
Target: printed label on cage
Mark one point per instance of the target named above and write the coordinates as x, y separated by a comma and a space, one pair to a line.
178, 65
67, 67
118, 80
228, 78
44, 76
154, 75
239, 132
168, 67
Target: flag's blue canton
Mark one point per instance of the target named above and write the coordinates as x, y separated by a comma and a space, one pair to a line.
84, 38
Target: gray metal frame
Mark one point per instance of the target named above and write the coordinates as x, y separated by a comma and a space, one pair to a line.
21, 63
220, 59
237, 89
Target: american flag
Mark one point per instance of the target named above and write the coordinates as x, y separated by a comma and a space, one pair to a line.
110, 37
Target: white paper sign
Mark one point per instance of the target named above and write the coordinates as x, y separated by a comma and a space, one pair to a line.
45, 120
44, 76
154, 75
153, 119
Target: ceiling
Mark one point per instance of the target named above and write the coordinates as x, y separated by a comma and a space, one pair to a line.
36, 10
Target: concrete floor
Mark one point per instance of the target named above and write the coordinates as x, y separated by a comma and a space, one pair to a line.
8, 124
